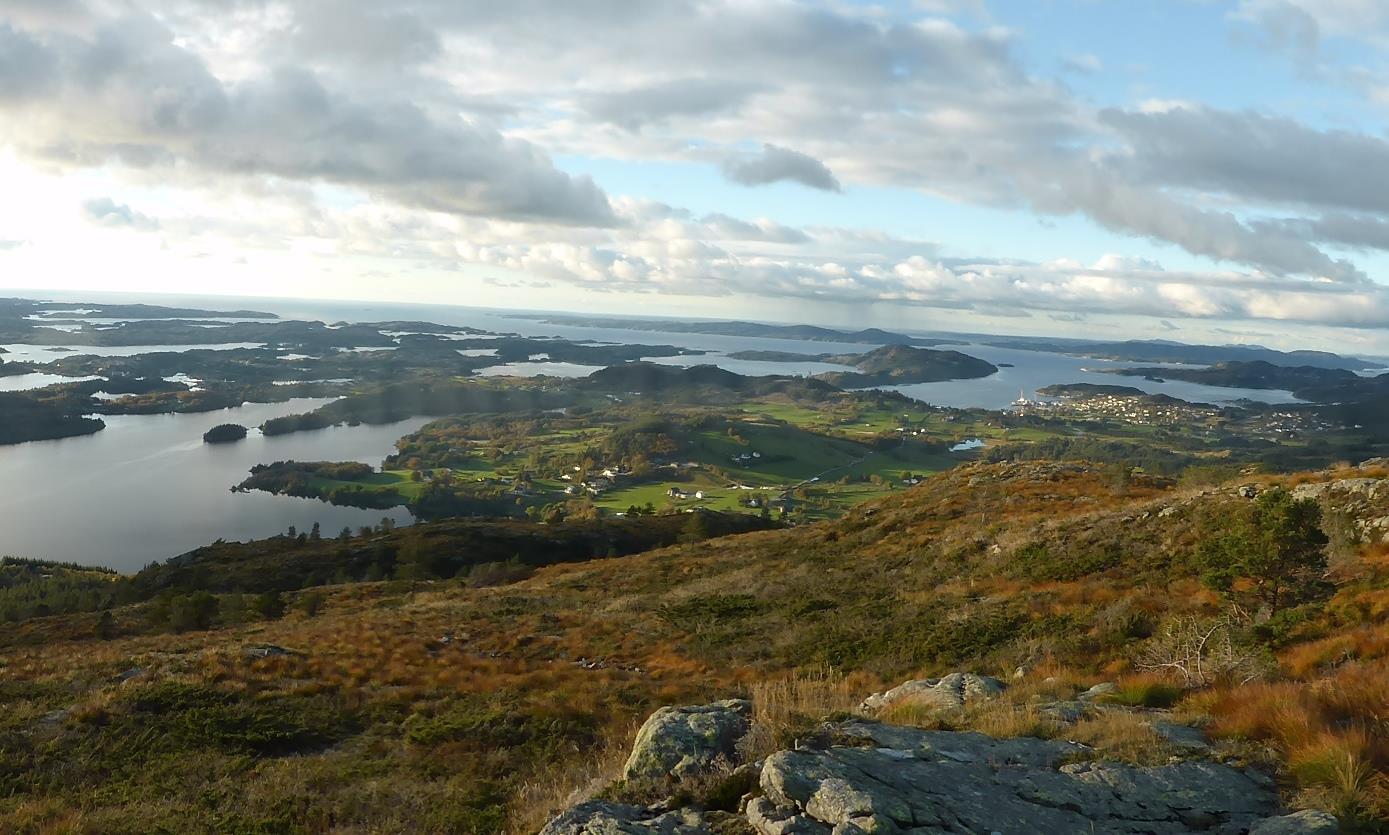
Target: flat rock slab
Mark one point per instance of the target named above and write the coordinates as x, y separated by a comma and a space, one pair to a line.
1184, 737
601, 817
905, 780
1308, 822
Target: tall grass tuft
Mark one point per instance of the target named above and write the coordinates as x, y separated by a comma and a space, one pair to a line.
786, 707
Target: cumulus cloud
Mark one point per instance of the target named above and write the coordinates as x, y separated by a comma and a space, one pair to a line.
1256, 157
731, 228
27, 70
103, 211
131, 94
444, 116
1112, 202
377, 35
1355, 231
657, 249
776, 164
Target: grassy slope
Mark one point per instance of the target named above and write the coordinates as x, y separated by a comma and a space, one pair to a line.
393, 730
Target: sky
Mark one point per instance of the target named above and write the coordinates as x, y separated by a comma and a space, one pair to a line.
1206, 170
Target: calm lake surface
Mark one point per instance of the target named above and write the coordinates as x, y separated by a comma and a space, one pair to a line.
147, 488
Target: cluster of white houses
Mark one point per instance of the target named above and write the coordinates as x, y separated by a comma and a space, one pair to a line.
593, 485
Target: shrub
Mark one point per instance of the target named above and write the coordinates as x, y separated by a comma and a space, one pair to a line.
709, 609
270, 605
1278, 546
1144, 692
192, 611
186, 715
311, 603
1038, 561
1201, 651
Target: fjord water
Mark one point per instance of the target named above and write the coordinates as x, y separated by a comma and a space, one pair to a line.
1032, 370
147, 488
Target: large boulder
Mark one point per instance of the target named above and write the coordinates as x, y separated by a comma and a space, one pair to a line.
602, 817
953, 691
898, 780
687, 741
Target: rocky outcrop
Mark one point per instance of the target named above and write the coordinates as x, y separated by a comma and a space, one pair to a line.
1365, 501
1099, 691
685, 741
601, 817
869, 777
953, 691
906, 780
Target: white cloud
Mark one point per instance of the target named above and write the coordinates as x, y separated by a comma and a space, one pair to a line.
424, 132
131, 95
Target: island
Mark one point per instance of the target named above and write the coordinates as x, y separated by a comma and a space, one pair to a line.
1089, 390
224, 433
895, 365
777, 356
14, 368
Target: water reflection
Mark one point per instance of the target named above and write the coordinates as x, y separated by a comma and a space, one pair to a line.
147, 488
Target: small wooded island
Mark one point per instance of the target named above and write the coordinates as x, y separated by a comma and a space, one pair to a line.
893, 364
224, 433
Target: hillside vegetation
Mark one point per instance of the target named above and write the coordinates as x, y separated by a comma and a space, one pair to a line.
474, 694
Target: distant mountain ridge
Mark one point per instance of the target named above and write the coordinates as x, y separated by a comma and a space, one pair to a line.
804, 333
1161, 350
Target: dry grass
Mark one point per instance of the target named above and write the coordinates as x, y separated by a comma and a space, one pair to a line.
1122, 735
1115, 733
577, 778
1332, 734
45, 817
788, 706
1006, 719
